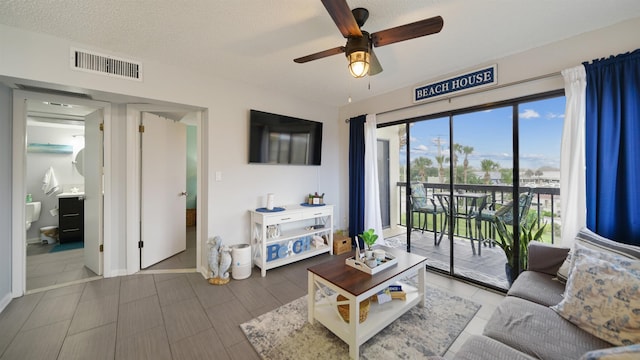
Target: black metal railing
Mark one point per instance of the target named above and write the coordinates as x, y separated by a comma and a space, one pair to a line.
543, 206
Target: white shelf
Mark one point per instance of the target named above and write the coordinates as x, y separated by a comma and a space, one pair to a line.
295, 234
293, 222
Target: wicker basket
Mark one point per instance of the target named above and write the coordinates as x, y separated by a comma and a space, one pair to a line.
344, 309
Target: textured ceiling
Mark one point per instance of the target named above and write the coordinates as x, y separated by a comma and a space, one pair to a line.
255, 41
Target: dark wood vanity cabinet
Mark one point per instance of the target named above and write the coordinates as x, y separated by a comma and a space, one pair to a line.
71, 222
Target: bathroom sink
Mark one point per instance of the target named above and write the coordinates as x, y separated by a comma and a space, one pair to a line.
70, 194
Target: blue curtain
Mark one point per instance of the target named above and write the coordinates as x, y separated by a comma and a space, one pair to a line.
612, 140
356, 177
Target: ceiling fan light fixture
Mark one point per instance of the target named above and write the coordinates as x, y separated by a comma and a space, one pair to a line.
359, 63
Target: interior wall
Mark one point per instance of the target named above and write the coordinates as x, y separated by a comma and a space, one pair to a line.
6, 119
43, 59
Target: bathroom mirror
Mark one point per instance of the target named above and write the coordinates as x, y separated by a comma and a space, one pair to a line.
79, 162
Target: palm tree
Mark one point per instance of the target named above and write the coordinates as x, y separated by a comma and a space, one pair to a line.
440, 159
457, 149
419, 168
467, 150
488, 166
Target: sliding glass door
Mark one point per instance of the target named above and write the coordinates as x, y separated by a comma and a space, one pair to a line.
449, 177
482, 167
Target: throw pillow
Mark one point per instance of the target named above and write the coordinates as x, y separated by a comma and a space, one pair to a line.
603, 299
588, 238
630, 352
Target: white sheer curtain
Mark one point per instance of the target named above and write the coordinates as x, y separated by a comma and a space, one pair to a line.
372, 217
572, 158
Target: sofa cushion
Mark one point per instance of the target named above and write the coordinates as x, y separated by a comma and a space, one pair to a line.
592, 240
537, 287
483, 348
538, 331
603, 297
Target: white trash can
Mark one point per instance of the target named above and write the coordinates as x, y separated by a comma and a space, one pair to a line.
241, 261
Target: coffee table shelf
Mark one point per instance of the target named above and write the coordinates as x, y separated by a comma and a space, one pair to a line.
380, 315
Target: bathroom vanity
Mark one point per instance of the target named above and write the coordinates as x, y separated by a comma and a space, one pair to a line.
71, 217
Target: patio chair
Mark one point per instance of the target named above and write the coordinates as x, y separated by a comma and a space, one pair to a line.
505, 213
424, 205
466, 207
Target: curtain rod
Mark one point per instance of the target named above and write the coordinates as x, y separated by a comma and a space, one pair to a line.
541, 77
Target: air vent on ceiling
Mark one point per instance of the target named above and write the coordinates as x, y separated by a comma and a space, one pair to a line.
106, 65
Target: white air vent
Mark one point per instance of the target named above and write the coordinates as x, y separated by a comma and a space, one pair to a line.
106, 65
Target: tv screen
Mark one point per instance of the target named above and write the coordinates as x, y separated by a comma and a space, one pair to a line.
279, 139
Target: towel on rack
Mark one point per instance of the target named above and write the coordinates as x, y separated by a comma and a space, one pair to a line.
50, 183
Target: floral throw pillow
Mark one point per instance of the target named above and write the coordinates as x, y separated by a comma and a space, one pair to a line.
603, 298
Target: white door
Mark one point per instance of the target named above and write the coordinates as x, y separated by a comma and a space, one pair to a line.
92, 168
163, 189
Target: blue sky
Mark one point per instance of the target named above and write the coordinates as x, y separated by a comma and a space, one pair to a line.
490, 134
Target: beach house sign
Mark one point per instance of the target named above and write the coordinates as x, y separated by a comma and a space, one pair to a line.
471, 80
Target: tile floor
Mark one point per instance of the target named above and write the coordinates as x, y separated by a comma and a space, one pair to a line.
170, 316
45, 269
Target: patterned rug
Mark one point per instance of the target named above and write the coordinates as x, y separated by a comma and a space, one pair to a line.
284, 333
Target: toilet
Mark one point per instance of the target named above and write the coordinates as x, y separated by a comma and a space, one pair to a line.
32, 213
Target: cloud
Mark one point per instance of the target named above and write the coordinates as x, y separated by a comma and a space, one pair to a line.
420, 149
554, 116
529, 114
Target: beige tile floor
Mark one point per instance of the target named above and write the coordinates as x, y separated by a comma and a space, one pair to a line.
170, 316
46, 269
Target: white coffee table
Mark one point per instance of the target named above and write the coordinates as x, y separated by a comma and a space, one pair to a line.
357, 286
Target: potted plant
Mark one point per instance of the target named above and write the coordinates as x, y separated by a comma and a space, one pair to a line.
369, 237
506, 243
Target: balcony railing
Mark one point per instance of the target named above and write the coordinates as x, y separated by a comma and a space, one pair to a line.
543, 206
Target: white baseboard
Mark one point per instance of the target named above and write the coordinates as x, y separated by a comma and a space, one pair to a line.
4, 302
116, 273
34, 241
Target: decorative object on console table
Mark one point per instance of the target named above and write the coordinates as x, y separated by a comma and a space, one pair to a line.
270, 201
315, 199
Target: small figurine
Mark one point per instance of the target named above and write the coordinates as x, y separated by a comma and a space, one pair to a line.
214, 254
225, 262
219, 261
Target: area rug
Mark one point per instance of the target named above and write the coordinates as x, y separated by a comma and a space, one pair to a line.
67, 246
284, 333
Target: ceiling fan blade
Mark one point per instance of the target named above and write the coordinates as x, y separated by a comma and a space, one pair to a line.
342, 16
320, 55
374, 65
409, 31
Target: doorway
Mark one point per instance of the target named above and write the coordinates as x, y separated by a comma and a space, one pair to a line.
49, 133
188, 257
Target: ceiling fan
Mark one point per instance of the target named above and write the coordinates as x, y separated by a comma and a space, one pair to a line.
359, 46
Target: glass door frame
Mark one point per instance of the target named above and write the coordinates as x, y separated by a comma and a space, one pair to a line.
515, 105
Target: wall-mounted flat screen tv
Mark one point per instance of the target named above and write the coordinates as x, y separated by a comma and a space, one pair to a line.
280, 139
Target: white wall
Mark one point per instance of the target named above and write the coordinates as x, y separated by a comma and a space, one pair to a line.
517, 70
6, 116
44, 59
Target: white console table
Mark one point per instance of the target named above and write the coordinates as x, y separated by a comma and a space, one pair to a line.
281, 237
